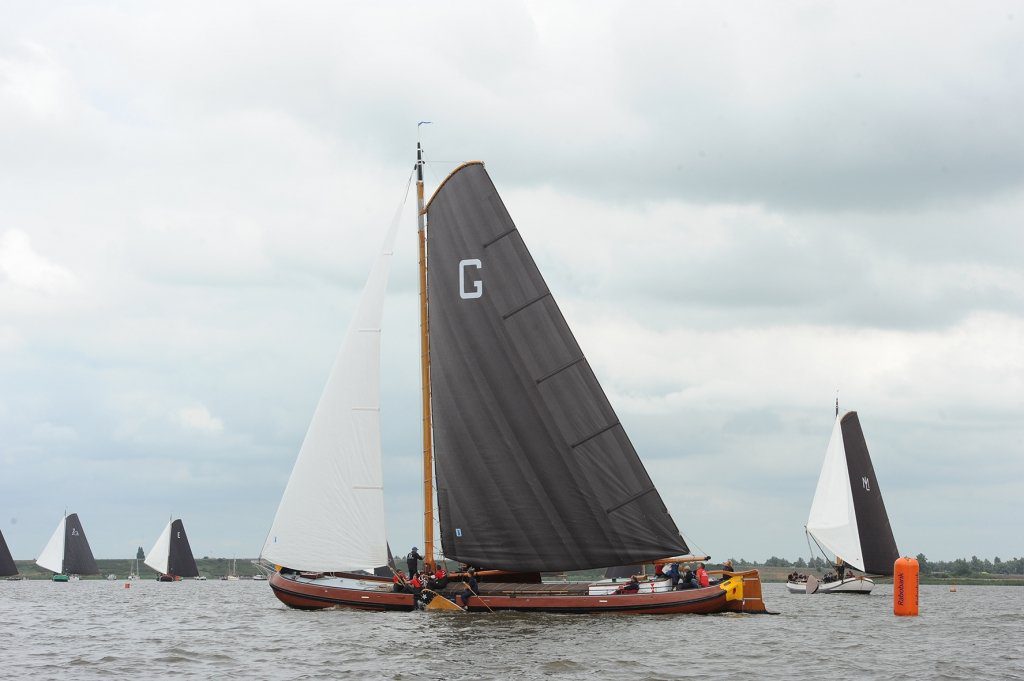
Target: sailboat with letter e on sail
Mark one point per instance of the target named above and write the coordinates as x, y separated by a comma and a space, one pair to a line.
67, 554
534, 472
171, 555
848, 517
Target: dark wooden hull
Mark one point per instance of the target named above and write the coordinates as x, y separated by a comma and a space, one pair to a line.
312, 596
692, 601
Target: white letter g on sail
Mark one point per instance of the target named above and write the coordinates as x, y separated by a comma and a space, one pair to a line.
478, 285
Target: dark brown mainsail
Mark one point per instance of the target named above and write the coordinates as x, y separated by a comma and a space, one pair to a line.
877, 544
78, 559
7, 566
534, 471
180, 561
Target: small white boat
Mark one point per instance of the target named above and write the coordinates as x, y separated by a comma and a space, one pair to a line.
111, 577
850, 585
848, 515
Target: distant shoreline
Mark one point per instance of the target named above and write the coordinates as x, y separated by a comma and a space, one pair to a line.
215, 568
211, 568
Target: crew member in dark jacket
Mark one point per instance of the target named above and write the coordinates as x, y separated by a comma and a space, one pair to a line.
472, 588
673, 574
412, 561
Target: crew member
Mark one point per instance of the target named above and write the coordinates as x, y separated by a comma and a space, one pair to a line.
412, 560
702, 575
632, 586
472, 588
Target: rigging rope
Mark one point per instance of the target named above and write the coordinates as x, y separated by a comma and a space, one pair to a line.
810, 551
692, 545
405, 198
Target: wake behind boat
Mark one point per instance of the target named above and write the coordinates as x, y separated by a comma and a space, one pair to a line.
534, 472
848, 515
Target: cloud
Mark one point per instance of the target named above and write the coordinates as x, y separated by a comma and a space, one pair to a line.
199, 418
738, 208
24, 268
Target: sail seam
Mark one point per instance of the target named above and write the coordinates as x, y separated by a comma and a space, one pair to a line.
526, 305
593, 435
560, 369
365, 408
499, 237
630, 500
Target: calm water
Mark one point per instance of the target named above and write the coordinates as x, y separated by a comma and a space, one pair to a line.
98, 629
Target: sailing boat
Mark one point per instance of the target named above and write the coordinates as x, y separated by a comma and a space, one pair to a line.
848, 515
171, 556
67, 554
7, 566
534, 472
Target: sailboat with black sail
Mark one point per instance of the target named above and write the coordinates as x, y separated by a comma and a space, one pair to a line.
7, 566
171, 555
848, 518
67, 554
534, 472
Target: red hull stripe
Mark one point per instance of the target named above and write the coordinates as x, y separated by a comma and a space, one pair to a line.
297, 598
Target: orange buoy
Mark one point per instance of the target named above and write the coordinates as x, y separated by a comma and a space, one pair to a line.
905, 586
127, 585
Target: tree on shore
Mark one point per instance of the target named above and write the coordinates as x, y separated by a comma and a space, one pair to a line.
140, 554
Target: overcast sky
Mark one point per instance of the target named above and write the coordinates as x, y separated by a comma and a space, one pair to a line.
739, 211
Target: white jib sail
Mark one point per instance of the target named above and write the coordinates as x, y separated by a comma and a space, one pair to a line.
833, 521
52, 557
160, 554
331, 516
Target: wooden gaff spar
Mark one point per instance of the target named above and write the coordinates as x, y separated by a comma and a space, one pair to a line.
533, 473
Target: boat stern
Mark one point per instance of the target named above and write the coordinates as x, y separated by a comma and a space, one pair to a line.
743, 592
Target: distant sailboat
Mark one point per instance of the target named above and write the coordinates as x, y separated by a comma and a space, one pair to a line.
848, 515
171, 556
7, 566
67, 554
534, 472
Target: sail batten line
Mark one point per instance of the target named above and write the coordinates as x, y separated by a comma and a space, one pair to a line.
560, 369
593, 435
500, 237
525, 305
630, 500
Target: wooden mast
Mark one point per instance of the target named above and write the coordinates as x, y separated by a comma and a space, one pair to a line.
428, 454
